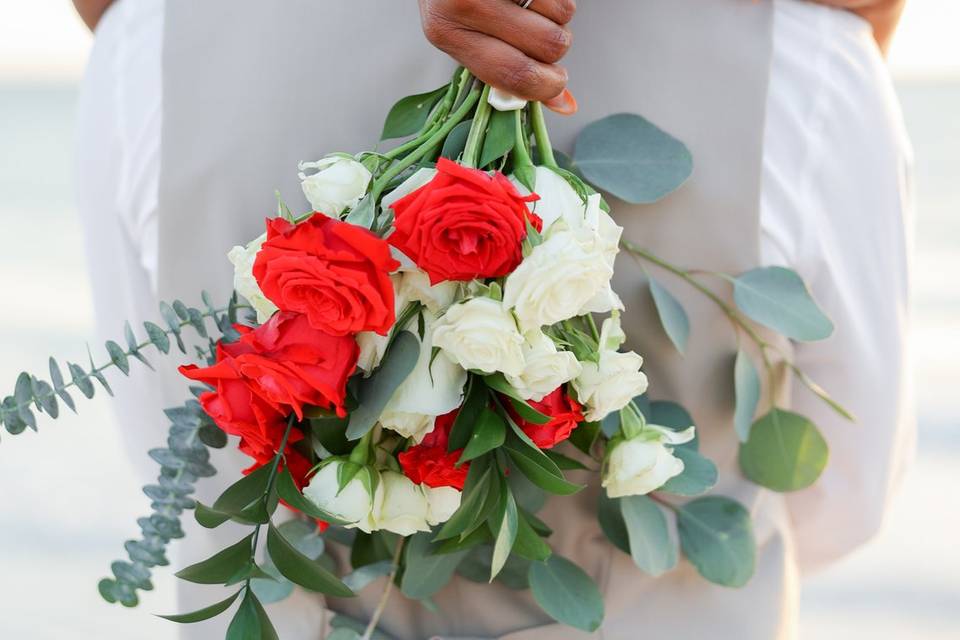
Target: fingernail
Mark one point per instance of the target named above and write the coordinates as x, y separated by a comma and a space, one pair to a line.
564, 104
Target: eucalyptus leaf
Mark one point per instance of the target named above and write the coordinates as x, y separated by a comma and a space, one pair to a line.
674, 417
566, 593
612, 523
409, 114
651, 547
426, 571
699, 474
672, 315
375, 392
631, 158
716, 535
777, 297
785, 452
746, 384
360, 578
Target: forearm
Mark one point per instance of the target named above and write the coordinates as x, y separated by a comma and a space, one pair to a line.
91, 11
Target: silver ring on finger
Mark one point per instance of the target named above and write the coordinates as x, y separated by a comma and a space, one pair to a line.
524, 4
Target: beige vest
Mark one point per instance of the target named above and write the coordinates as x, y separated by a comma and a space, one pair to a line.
253, 86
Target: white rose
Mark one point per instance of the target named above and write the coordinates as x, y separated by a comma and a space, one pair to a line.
558, 200
643, 464
503, 101
544, 369
611, 384
418, 179
414, 285
558, 280
404, 509
480, 334
372, 347
442, 502
429, 391
338, 183
353, 504
245, 284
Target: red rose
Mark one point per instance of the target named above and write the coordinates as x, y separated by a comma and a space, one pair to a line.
565, 413
269, 373
338, 274
463, 224
429, 463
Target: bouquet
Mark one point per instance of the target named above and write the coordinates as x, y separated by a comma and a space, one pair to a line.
416, 364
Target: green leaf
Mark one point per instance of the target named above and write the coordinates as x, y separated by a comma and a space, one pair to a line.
629, 157
409, 114
542, 471
288, 491
360, 578
611, 522
585, 436
650, 545
673, 416
209, 518
212, 436
376, 391
699, 474
471, 511
220, 567
499, 384
300, 569
331, 433
489, 433
716, 535
672, 315
566, 593
245, 492
746, 383
246, 621
474, 403
426, 570
56, 377
529, 544
778, 298
267, 632
364, 214
456, 141
158, 337
500, 137
563, 462
785, 452
203, 614
505, 525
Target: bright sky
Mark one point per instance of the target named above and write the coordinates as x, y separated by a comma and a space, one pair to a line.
43, 40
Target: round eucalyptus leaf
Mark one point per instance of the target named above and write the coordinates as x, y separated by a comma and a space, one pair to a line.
777, 297
651, 547
716, 535
699, 474
672, 315
566, 593
631, 158
785, 452
746, 383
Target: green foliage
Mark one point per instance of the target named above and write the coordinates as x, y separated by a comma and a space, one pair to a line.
629, 157
475, 401
785, 452
504, 523
427, 571
301, 569
32, 393
746, 383
454, 145
183, 461
489, 432
540, 469
566, 593
699, 474
204, 614
651, 547
409, 114
376, 391
672, 315
500, 137
221, 566
716, 535
778, 298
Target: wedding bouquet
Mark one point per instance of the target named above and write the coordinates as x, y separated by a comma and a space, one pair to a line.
414, 365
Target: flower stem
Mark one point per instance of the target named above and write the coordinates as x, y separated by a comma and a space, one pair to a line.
385, 596
542, 136
478, 129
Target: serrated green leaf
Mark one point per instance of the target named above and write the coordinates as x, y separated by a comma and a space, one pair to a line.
785, 452
673, 317
717, 537
376, 391
629, 157
651, 547
778, 298
220, 567
300, 569
566, 593
203, 614
409, 114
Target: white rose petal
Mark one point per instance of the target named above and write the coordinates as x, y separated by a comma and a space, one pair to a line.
503, 101
404, 509
414, 285
611, 384
354, 504
372, 347
558, 279
245, 284
429, 391
480, 334
337, 184
442, 502
641, 465
545, 368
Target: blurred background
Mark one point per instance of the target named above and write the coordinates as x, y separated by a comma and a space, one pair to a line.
64, 518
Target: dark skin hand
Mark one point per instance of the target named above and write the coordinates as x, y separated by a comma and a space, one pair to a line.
91, 11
